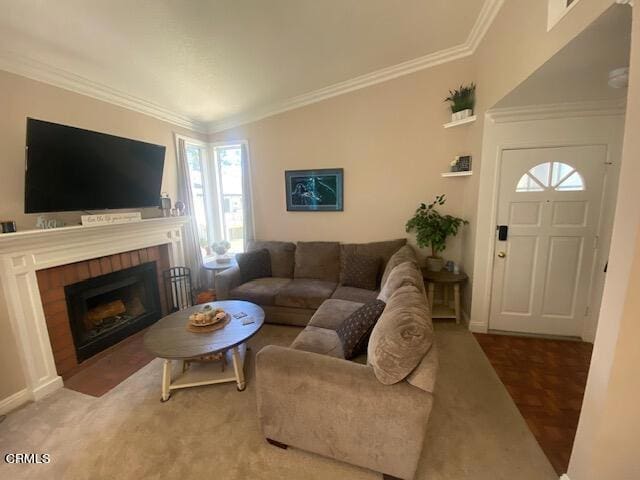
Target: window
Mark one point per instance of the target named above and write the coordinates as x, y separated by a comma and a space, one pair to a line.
551, 175
216, 175
228, 161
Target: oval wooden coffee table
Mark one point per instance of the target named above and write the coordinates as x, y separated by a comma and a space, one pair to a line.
169, 339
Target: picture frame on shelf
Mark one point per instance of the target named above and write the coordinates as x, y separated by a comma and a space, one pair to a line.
461, 164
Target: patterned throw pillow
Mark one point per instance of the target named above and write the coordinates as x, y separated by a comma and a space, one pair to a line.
255, 264
355, 330
361, 271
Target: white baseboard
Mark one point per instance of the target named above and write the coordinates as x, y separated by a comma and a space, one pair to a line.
565, 477
14, 401
478, 327
48, 387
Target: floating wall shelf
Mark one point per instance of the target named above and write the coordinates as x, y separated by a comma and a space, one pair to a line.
457, 174
457, 123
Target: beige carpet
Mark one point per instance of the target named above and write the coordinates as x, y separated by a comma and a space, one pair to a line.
475, 431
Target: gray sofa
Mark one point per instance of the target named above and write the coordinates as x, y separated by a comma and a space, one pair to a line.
310, 397
304, 275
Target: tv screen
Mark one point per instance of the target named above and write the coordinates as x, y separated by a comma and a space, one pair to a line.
71, 169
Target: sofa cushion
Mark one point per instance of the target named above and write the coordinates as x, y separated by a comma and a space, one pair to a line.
424, 375
354, 294
382, 250
401, 337
255, 264
262, 291
333, 312
361, 271
282, 256
406, 273
404, 254
304, 293
355, 330
319, 340
318, 260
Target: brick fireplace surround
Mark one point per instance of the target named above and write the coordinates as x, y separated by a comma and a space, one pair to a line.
36, 265
52, 281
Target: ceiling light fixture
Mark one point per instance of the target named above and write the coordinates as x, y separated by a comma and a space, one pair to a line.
619, 78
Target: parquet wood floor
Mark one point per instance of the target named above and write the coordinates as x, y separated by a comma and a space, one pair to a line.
546, 379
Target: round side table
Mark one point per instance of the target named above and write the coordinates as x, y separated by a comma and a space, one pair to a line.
448, 280
216, 267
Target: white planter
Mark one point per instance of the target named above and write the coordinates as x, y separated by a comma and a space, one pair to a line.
461, 115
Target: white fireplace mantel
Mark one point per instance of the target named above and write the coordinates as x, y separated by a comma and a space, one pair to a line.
22, 254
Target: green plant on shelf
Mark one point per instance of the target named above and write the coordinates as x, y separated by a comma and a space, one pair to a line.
463, 98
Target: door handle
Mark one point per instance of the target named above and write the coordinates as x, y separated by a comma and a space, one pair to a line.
502, 254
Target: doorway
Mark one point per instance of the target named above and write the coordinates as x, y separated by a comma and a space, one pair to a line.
549, 205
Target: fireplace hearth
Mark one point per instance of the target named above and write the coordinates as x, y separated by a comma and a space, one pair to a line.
106, 309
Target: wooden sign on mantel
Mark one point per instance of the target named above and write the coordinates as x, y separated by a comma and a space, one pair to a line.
110, 219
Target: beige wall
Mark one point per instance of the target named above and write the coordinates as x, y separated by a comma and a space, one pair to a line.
389, 137
390, 141
614, 453
21, 98
515, 46
606, 443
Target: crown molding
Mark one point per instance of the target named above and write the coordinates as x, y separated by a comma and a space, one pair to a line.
595, 108
42, 72
341, 88
485, 18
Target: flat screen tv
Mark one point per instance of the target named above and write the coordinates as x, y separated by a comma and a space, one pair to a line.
71, 169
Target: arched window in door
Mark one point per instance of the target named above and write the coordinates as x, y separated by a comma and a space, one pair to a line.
551, 175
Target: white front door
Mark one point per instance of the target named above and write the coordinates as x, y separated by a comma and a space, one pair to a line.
550, 200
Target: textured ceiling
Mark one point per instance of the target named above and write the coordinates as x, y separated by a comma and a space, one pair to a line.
211, 60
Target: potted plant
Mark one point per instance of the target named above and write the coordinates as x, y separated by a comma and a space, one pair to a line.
432, 230
462, 102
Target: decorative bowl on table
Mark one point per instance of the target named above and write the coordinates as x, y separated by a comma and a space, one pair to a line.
207, 316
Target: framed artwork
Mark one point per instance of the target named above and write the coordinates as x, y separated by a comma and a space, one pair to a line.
315, 190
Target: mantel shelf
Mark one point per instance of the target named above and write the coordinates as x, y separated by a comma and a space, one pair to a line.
457, 174
78, 236
457, 123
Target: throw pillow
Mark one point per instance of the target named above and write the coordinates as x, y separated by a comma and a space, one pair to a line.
356, 328
282, 256
361, 271
401, 337
255, 264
